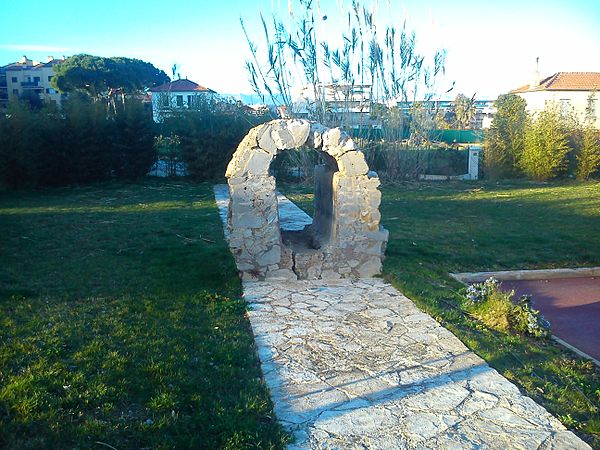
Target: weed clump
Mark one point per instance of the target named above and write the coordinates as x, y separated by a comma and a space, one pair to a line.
497, 309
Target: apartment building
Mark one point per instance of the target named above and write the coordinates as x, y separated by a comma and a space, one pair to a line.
27, 77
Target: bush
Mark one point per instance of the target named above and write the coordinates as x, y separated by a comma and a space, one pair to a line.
209, 135
397, 162
545, 152
133, 141
19, 139
496, 308
505, 140
82, 143
588, 157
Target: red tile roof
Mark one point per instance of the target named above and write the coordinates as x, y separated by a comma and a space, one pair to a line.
181, 86
565, 81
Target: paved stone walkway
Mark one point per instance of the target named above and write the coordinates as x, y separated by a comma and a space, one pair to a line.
354, 364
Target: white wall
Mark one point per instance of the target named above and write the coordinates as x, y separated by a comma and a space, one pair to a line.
578, 100
159, 110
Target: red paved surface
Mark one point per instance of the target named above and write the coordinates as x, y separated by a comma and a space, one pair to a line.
572, 305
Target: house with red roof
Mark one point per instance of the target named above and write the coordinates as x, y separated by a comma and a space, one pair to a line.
573, 91
177, 95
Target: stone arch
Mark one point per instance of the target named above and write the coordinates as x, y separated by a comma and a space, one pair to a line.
346, 237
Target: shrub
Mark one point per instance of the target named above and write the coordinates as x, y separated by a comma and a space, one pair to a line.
209, 135
588, 157
82, 143
496, 308
19, 139
398, 162
546, 148
505, 140
133, 141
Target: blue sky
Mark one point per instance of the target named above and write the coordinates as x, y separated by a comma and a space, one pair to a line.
492, 45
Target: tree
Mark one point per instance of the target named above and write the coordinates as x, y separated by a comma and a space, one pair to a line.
19, 139
208, 134
505, 140
133, 141
546, 145
104, 77
464, 110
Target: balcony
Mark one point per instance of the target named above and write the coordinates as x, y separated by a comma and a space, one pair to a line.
30, 84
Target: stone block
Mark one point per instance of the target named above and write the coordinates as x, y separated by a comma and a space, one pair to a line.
271, 256
315, 136
280, 275
352, 164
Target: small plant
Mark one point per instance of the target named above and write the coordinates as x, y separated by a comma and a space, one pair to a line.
496, 308
479, 292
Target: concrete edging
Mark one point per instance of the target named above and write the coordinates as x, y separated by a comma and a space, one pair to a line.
477, 277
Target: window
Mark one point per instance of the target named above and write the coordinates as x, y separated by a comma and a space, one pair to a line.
591, 108
36, 79
162, 100
565, 106
47, 91
179, 100
13, 79
189, 100
49, 78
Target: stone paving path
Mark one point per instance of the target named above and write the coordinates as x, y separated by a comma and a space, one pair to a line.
354, 364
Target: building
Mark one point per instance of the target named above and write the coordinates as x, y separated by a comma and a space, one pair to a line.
25, 78
347, 106
483, 111
179, 94
573, 91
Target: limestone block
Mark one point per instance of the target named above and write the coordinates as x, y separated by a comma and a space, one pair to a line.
300, 130
352, 163
271, 256
246, 220
315, 136
330, 275
283, 135
257, 164
280, 275
252, 276
331, 139
369, 268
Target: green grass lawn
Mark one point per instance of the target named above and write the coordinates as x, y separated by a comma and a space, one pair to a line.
436, 228
121, 324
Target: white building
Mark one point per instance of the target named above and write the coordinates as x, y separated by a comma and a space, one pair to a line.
28, 77
179, 94
576, 91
